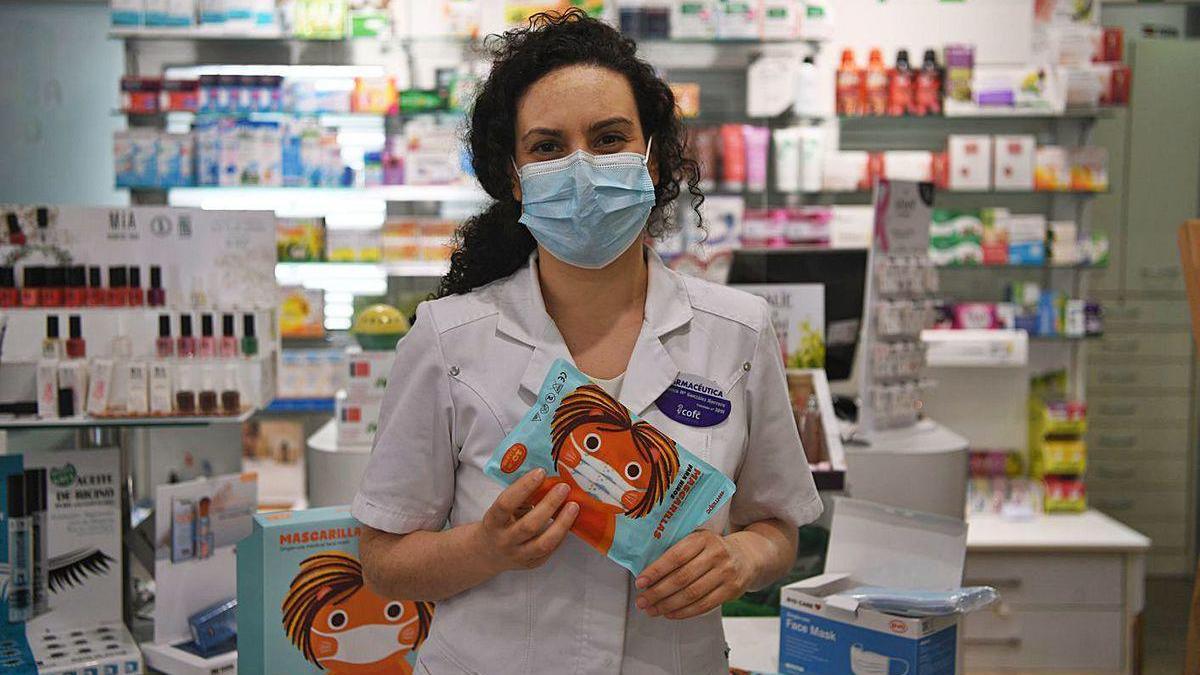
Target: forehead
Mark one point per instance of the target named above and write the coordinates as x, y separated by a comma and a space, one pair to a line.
573, 97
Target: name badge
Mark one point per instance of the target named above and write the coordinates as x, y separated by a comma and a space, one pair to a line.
694, 401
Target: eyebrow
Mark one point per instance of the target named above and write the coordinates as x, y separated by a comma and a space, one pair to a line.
596, 126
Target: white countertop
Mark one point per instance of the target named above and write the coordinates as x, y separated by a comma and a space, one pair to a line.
1090, 531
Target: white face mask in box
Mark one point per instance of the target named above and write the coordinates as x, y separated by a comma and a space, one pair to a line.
585, 209
863, 662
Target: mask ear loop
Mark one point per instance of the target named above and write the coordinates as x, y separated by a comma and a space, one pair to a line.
649, 144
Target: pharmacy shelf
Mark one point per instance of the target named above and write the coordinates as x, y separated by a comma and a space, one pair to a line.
285, 406
204, 196
415, 268
192, 33
1063, 338
79, 422
984, 268
984, 114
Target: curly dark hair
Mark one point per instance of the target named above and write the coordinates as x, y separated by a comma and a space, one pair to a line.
492, 244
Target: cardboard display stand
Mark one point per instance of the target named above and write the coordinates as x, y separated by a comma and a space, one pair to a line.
76, 626
197, 524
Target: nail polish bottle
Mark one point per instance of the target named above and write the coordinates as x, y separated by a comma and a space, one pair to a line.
76, 347
231, 396
9, 295
52, 346
156, 296
15, 236
229, 344
206, 396
35, 277
96, 296
76, 291
43, 224
185, 390
164, 346
208, 343
137, 297
187, 343
122, 346
249, 341
52, 293
118, 287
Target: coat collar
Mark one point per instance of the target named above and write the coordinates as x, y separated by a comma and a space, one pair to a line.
651, 368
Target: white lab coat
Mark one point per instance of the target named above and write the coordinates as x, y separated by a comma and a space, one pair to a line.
467, 373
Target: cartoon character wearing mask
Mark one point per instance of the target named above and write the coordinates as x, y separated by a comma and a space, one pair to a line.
612, 465
343, 627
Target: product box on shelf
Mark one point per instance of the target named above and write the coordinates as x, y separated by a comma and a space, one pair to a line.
1052, 171
196, 525
970, 162
300, 239
365, 374
1026, 239
60, 562
1089, 169
357, 421
822, 631
956, 238
1014, 162
285, 569
302, 312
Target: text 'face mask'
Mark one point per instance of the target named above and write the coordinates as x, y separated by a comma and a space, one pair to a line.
587, 209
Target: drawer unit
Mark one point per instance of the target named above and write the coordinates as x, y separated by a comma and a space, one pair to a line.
1147, 377
1171, 474
1108, 439
1049, 581
1123, 408
1138, 315
1128, 503
1088, 640
1145, 347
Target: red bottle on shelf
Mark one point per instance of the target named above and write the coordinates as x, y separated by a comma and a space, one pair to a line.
76, 291
15, 236
186, 343
35, 277
53, 291
927, 92
876, 83
9, 295
156, 296
96, 297
137, 297
900, 86
76, 347
849, 87
118, 287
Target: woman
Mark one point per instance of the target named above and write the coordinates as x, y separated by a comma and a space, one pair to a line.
577, 141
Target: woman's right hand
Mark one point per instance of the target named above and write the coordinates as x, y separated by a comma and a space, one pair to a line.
514, 536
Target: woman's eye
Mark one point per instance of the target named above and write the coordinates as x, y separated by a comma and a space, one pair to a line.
591, 442
633, 470
608, 140
545, 147
337, 619
393, 611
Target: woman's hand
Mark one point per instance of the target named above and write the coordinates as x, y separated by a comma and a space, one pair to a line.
695, 575
513, 536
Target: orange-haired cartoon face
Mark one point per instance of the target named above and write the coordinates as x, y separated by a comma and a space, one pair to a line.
624, 467
345, 628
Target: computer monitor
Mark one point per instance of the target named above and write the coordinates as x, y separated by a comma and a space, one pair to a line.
844, 275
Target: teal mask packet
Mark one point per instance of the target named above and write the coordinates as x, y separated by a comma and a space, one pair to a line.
638, 491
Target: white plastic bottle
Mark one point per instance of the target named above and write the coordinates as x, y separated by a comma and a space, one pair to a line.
808, 90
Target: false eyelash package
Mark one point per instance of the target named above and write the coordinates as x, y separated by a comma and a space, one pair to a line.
639, 492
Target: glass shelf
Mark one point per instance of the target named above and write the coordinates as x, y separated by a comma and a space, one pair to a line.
83, 422
414, 268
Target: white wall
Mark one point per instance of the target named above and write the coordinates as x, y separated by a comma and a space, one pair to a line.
59, 77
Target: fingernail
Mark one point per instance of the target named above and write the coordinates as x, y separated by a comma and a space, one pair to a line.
641, 603
652, 612
642, 582
539, 472
572, 508
561, 489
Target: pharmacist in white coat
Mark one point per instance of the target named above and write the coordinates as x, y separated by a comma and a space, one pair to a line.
578, 142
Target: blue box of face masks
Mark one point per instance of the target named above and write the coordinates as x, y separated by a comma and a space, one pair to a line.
304, 606
873, 545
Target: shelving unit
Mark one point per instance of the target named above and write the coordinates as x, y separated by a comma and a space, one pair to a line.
112, 422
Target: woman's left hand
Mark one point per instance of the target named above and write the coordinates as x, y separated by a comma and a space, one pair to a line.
695, 575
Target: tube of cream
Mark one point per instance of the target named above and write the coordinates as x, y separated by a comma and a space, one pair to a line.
757, 141
733, 158
787, 159
812, 158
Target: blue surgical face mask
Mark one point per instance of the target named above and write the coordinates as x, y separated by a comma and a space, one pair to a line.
585, 209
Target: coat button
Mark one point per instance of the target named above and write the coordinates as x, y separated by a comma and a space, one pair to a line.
454, 371
746, 366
